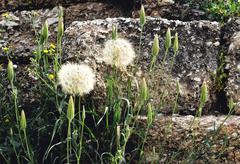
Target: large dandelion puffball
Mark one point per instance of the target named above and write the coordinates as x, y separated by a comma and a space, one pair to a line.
119, 53
76, 79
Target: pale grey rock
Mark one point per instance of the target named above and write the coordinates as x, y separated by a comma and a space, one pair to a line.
231, 38
164, 2
19, 34
169, 136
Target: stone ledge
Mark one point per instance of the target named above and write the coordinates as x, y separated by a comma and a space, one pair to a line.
209, 145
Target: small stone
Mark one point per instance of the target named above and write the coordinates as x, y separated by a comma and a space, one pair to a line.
164, 2
216, 44
209, 44
235, 43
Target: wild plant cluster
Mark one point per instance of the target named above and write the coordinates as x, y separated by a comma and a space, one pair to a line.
66, 129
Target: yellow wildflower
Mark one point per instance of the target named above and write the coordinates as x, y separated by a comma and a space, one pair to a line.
6, 15
51, 76
7, 120
45, 51
52, 46
5, 49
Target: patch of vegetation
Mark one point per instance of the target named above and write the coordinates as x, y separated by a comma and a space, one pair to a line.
67, 127
222, 10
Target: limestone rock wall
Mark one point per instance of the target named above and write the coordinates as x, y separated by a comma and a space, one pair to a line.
210, 139
231, 38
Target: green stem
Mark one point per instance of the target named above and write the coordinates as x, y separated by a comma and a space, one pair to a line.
27, 146
60, 51
15, 151
14, 90
68, 142
80, 142
164, 58
143, 143
140, 40
172, 62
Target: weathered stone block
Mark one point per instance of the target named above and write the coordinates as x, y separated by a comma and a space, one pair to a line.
211, 139
197, 58
231, 38
10, 5
20, 30
90, 11
17, 28
172, 9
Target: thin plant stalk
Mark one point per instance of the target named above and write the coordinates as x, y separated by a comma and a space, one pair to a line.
27, 146
13, 145
70, 117
81, 128
140, 41
68, 141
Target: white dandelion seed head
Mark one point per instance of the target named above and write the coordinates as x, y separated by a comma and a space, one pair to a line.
76, 79
118, 52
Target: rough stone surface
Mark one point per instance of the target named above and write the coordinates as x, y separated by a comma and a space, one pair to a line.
216, 140
6, 5
17, 28
90, 11
18, 34
196, 60
172, 9
25, 82
231, 38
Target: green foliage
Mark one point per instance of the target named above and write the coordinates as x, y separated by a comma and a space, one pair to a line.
223, 9
221, 75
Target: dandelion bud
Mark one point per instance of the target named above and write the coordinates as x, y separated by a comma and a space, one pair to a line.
155, 48
44, 33
114, 33
149, 114
83, 113
143, 90
11, 132
118, 135
71, 110
204, 93
142, 16
23, 122
60, 12
10, 71
60, 28
175, 44
168, 39
231, 104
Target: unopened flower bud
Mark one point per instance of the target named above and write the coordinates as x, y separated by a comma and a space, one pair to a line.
10, 71
204, 93
60, 28
175, 44
114, 33
155, 48
23, 122
142, 16
71, 110
143, 90
168, 39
